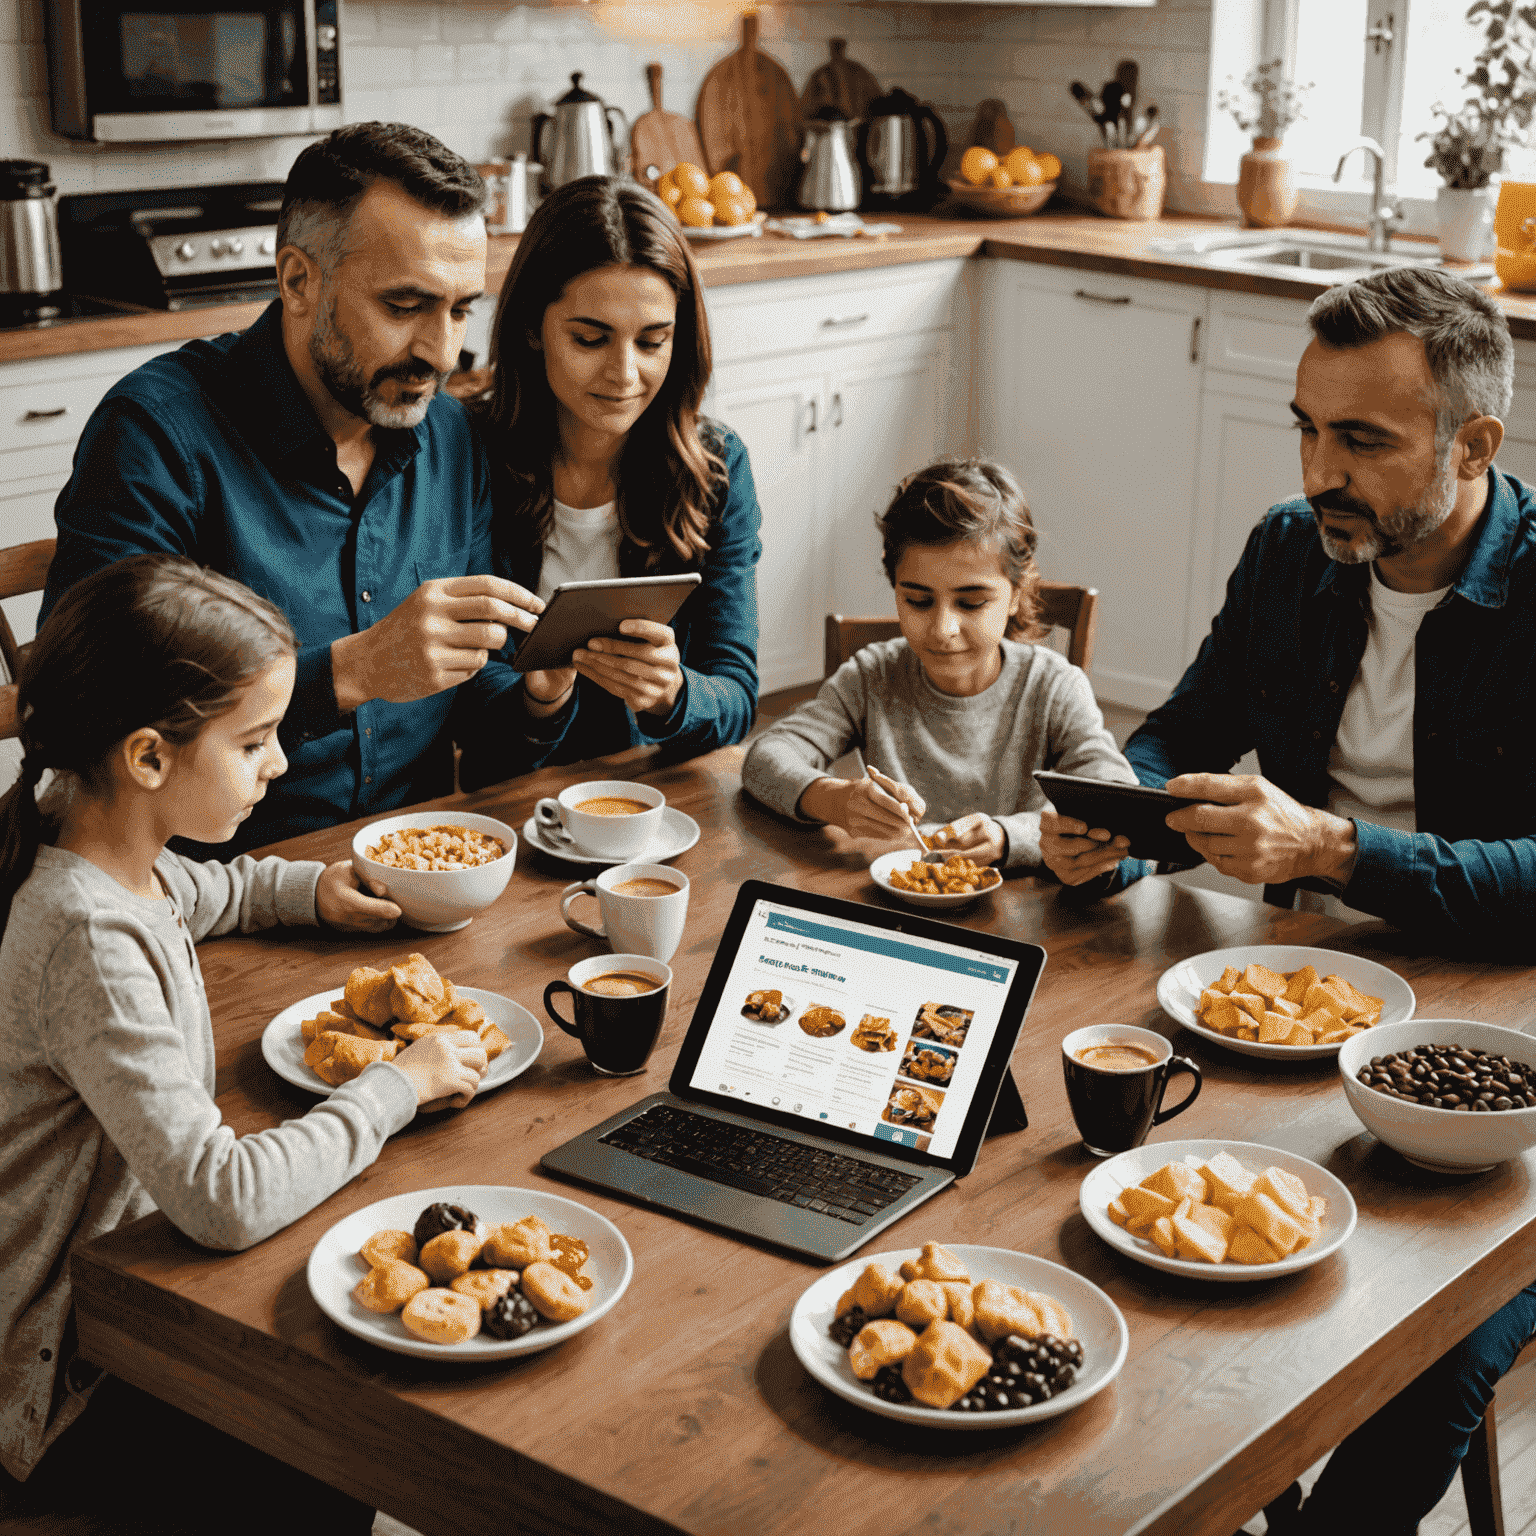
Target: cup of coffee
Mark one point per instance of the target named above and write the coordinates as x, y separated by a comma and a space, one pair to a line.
1116, 1078
603, 818
620, 1004
643, 908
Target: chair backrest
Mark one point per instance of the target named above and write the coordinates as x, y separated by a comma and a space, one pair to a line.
1062, 606
23, 569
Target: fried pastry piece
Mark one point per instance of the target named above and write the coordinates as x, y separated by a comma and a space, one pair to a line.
876, 1290
388, 1286
516, 1245
944, 1365
323, 1021
553, 1292
878, 1344
570, 1254
487, 1286
766, 1004
418, 995
921, 1302
367, 994
390, 1244
337, 1059
449, 1255
442, 1316
466, 1013
494, 1041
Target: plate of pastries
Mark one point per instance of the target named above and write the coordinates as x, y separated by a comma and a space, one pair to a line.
326, 1040
1218, 1210
469, 1272
954, 883
957, 1336
1285, 1002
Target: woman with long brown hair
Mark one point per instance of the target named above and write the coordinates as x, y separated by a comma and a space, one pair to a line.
603, 466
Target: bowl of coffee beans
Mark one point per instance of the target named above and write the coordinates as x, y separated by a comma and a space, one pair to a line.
1448, 1094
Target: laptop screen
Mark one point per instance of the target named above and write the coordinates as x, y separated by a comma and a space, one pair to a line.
851, 1025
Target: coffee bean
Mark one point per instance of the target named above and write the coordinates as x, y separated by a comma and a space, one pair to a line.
1452, 1077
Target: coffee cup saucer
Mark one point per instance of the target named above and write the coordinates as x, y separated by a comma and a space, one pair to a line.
679, 832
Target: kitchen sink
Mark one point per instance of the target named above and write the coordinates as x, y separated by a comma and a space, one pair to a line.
1325, 258
1326, 261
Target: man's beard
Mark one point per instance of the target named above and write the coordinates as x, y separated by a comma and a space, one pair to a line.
1400, 530
330, 350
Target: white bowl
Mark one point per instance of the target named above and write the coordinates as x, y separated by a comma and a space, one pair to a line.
902, 859
438, 900
1443, 1140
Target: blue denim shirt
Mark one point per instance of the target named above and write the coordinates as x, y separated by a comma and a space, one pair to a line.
214, 452
1274, 672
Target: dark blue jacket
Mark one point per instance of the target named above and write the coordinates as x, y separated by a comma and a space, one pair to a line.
1274, 672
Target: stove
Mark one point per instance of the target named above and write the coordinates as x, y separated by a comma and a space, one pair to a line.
39, 311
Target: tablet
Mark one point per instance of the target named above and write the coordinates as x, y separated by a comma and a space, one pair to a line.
1127, 810
578, 611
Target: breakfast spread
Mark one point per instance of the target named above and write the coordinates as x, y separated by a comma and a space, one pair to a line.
1216, 1211
821, 1022
436, 848
873, 1033
928, 1335
1286, 1008
956, 876
766, 1005
454, 1277
1452, 1077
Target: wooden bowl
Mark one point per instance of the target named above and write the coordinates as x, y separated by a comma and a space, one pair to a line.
1002, 202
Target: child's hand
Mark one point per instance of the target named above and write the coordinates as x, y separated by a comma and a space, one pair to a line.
874, 806
341, 903
977, 835
445, 1067
1073, 853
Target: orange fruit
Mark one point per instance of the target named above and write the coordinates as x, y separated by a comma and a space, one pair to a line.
662, 184
691, 179
1000, 179
976, 164
732, 210
696, 212
1017, 159
671, 195
724, 184
749, 197
1030, 174
1050, 167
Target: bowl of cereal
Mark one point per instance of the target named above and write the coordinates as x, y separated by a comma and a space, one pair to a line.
439, 867
951, 884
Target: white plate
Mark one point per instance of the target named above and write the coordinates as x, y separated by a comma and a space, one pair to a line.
334, 1266
1180, 986
283, 1045
679, 832
1106, 1181
1096, 1321
880, 873
727, 231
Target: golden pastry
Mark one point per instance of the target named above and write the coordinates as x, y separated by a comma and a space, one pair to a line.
876, 1290
962, 1304
570, 1254
554, 1293
494, 1041
516, 1245
466, 1013
921, 1302
1004, 1309
878, 1344
442, 1317
821, 1022
389, 1245
389, 1286
487, 1286
367, 993
418, 995
449, 1255
874, 1034
945, 1364
337, 1059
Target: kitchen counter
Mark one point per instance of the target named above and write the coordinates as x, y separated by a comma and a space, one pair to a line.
1067, 239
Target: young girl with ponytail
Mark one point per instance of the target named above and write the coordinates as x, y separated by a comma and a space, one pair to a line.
154, 692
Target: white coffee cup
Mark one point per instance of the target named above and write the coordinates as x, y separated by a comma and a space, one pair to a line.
634, 923
603, 836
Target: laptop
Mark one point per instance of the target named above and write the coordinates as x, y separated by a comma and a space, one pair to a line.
842, 1067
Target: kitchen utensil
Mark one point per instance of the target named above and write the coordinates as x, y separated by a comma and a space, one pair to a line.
1128, 77
749, 120
1109, 118
584, 143
889, 785
896, 152
1149, 132
993, 129
661, 139
843, 83
831, 181
29, 229
1086, 100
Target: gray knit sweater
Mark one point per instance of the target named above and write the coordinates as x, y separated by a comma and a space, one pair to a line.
959, 754
106, 1099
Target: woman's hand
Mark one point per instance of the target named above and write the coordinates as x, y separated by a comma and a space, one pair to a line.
645, 669
546, 692
869, 807
977, 835
340, 901
1074, 853
445, 1067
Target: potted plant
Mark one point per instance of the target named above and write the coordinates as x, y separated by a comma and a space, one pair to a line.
1266, 105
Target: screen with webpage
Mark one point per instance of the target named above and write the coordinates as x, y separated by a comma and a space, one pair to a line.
844, 1023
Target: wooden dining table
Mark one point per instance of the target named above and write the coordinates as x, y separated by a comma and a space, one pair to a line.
684, 1409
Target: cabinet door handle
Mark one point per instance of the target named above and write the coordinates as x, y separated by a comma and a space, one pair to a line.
53, 415
837, 410
832, 322
1102, 298
1194, 340
812, 426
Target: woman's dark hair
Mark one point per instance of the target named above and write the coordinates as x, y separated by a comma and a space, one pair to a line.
975, 501
600, 221
153, 640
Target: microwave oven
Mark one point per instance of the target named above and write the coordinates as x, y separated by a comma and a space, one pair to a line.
153, 71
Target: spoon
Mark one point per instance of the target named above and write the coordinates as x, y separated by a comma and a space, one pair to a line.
875, 776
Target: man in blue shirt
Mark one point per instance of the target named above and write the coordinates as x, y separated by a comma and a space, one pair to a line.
314, 458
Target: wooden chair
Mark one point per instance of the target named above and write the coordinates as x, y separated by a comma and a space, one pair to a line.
1480, 1469
1062, 606
23, 569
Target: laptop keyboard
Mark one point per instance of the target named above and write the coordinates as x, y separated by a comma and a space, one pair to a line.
761, 1163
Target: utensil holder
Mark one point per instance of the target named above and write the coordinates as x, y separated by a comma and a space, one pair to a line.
1128, 183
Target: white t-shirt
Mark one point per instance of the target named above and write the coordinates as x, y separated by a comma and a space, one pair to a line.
583, 545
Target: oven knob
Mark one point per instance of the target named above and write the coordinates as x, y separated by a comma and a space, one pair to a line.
268, 245
216, 247
236, 247
325, 38
186, 250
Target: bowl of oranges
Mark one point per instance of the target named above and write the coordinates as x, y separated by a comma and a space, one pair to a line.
718, 207
1010, 185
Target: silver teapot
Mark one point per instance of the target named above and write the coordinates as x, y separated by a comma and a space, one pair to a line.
831, 179
584, 140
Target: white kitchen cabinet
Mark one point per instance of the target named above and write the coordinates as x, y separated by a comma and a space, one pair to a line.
1518, 455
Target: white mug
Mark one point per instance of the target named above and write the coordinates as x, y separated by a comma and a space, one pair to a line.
602, 837
631, 923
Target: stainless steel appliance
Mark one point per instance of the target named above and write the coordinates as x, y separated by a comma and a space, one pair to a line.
29, 233
126, 72
831, 179
902, 149
583, 143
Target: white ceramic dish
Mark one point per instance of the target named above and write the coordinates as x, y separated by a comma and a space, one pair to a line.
727, 231
438, 901
1180, 986
679, 832
1442, 1140
1096, 1320
1106, 1181
283, 1046
880, 873
334, 1267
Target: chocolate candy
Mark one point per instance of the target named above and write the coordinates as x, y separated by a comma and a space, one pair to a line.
440, 1218
511, 1317
1452, 1077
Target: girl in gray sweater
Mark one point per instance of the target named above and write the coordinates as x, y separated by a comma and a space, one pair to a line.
154, 691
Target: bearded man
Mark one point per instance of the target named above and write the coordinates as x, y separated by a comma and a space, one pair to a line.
1377, 645
315, 458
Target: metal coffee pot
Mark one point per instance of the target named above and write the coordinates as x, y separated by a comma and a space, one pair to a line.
584, 143
29, 229
831, 179
902, 163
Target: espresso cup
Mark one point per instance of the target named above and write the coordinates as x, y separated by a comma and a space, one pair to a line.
643, 908
618, 1032
609, 832
1115, 1103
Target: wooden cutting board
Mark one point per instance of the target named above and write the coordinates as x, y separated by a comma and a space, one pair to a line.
843, 83
749, 121
993, 129
661, 139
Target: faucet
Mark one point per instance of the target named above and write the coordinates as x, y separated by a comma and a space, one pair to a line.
1383, 214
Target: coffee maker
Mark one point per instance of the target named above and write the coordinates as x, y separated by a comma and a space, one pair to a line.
30, 265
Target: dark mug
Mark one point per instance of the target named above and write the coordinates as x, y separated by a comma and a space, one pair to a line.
618, 1030
1116, 1094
